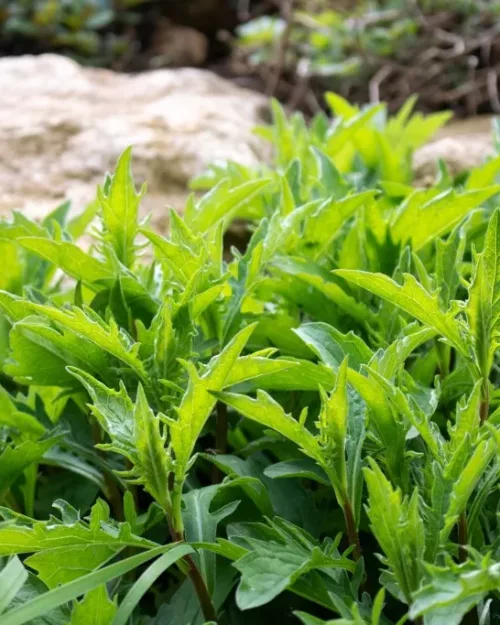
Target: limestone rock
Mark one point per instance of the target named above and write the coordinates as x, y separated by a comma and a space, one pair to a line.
461, 145
63, 126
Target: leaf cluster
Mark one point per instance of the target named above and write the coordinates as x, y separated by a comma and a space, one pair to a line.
306, 429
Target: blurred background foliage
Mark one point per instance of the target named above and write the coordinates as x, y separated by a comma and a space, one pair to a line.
446, 51
98, 31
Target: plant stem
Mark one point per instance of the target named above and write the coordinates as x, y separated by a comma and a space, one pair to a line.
485, 402
206, 604
352, 532
112, 491
221, 430
471, 617
462, 537
444, 359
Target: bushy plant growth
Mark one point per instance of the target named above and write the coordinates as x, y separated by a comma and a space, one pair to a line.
89, 30
305, 431
373, 50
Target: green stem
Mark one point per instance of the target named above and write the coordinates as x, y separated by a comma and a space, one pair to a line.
112, 491
221, 431
443, 352
29, 490
485, 401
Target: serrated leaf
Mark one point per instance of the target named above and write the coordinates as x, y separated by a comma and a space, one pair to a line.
200, 525
58, 596
266, 411
398, 528
454, 590
83, 546
16, 458
272, 566
422, 223
326, 283
413, 299
198, 402
223, 201
70, 259
135, 432
106, 337
332, 346
332, 425
465, 483
483, 307
94, 609
40, 354
119, 203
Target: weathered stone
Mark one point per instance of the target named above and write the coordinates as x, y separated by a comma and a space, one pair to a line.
463, 144
63, 126
177, 46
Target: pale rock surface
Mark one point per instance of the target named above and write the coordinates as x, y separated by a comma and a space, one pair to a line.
63, 126
461, 144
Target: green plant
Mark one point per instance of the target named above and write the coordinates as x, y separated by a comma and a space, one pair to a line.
372, 50
85, 29
303, 430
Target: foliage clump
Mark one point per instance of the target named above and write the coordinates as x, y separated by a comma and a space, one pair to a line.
100, 32
304, 430
374, 50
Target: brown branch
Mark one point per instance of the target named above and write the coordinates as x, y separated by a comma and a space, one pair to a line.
286, 12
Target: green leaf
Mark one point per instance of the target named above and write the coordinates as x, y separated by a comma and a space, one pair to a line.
106, 337
332, 346
12, 577
198, 402
327, 284
301, 376
483, 307
183, 261
398, 528
70, 259
145, 581
465, 483
16, 458
40, 354
271, 567
119, 203
322, 226
200, 525
302, 468
449, 258
423, 222
388, 362
95, 608
332, 425
84, 546
266, 411
135, 432
255, 367
413, 299
222, 202
58, 596
454, 590
14, 418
